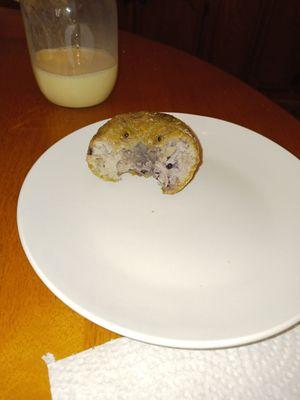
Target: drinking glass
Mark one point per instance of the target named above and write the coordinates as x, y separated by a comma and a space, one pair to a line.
73, 45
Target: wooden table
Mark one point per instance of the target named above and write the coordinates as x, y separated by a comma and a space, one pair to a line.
152, 77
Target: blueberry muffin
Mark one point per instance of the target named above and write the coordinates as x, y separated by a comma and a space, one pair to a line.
146, 144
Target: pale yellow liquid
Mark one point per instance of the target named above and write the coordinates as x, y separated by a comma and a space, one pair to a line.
73, 77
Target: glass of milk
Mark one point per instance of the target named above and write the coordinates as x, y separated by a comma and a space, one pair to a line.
73, 46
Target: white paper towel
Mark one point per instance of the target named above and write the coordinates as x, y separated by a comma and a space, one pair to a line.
130, 370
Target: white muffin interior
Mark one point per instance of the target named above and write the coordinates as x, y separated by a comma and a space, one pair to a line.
170, 163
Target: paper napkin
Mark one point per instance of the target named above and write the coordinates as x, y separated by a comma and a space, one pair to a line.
130, 370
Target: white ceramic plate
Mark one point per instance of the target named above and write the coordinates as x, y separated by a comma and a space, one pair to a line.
215, 265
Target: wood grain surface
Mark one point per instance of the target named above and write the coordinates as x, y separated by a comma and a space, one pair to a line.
152, 77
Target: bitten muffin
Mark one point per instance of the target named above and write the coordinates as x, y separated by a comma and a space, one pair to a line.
146, 144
